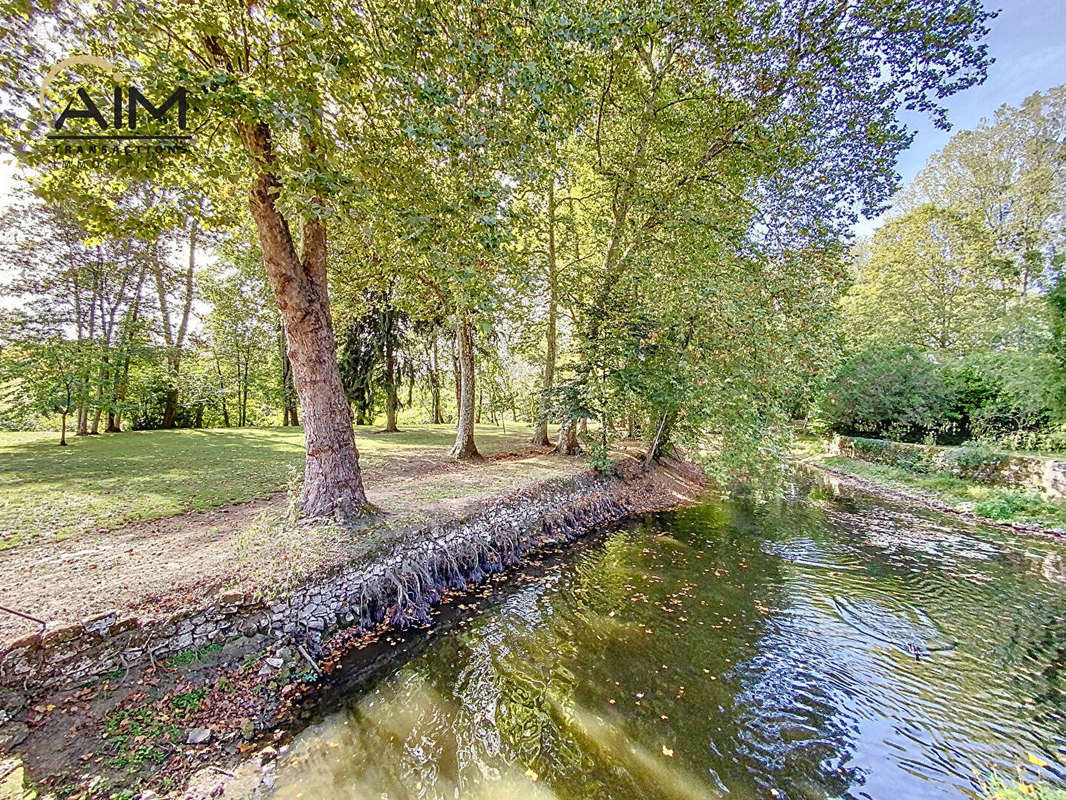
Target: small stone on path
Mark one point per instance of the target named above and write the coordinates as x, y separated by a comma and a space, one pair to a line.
198, 736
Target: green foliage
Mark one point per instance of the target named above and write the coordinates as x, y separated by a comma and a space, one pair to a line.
897, 393
138, 737
599, 457
190, 700
1046, 441
972, 459
931, 281
912, 457
670, 137
957, 274
186, 657
1002, 391
1005, 175
1007, 504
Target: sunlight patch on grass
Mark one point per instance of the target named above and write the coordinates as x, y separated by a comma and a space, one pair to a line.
102, 482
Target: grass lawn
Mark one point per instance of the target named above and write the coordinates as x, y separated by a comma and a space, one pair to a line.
805, 445
107, 480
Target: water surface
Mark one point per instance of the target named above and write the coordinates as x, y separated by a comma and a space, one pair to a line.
829, 645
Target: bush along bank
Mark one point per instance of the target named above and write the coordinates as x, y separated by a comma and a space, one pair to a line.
152, 723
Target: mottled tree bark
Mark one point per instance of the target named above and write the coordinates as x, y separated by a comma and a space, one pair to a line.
333, 484
464, 447
568, 444
540, 435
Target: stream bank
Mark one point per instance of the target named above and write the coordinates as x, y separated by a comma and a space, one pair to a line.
116, 707
832, 643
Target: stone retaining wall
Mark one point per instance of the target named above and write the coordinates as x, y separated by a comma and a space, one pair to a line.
975, 464
398, 587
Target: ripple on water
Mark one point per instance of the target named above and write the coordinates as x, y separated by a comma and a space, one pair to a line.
842, 649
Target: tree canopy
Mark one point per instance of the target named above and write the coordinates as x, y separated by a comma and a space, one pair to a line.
661, 194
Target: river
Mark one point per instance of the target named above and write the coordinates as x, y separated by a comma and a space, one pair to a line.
832, 644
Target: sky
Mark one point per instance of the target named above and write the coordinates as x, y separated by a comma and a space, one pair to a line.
1027, 41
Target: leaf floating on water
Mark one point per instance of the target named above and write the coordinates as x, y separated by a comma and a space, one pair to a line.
1037, 761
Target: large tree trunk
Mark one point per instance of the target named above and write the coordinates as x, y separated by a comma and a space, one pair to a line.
170, 407
464, 447
540, 435
333, 483
568, 444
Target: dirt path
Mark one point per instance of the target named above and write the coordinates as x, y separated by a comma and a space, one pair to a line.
162, 564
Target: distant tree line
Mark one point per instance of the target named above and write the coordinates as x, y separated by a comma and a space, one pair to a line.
955, 324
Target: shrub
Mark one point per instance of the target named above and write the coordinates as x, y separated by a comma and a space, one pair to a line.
894, 393
1003, 392
906, 395
976, 461
1047, 441
1009, 503
599, 458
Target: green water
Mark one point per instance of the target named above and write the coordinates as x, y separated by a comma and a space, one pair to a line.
824, 646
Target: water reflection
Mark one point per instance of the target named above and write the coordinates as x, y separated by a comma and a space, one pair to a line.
836, 646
